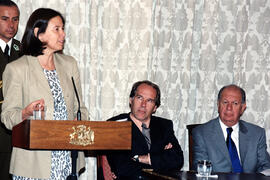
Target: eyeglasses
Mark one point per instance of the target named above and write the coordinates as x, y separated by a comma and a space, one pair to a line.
147, 101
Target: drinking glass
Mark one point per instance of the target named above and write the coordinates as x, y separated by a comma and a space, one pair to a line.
204, 167
39, 113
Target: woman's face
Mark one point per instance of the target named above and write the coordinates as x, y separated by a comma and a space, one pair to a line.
54, 36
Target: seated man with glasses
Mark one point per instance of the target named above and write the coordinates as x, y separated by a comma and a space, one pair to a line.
154, 144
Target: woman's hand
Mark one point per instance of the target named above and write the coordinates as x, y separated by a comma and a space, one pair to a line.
35, 105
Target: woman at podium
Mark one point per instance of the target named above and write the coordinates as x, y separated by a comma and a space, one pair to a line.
42, 77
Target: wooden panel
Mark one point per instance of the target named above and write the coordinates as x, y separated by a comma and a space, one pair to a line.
48, 134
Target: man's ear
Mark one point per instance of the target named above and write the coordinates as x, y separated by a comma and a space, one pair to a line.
130, 101
218, 105
154, 110
243, 108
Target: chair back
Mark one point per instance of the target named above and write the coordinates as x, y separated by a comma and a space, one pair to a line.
103, 168
190, 143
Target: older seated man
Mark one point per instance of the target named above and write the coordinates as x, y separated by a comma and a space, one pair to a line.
231, 144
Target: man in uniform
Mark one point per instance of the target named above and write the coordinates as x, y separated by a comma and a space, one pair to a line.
9, 51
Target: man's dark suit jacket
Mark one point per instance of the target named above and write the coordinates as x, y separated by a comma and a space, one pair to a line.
161, 133
209, 144
5, 135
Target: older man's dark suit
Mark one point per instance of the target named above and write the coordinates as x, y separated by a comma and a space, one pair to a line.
161, 133
209, 143
5, 135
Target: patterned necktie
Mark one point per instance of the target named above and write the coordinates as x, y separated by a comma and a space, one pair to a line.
146, 134
233, 152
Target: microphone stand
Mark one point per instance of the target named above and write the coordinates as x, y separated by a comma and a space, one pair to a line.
74, 153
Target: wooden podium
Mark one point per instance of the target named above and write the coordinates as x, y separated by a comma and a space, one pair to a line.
68, 135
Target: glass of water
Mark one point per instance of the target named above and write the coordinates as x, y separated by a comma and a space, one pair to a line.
39, 113
204, 167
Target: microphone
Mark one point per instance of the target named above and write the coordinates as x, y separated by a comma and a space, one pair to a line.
74, 153
78, 99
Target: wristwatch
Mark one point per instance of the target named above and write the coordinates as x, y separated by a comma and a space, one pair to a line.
136, 158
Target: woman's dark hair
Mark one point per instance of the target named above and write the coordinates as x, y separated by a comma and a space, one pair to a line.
153, 85
40, 18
